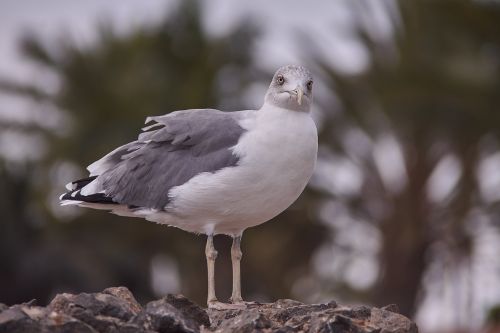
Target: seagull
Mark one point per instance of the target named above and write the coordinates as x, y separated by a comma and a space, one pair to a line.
212, 172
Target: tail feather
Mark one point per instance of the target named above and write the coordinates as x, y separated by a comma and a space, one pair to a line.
74, 193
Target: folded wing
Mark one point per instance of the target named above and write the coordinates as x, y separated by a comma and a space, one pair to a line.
177, 147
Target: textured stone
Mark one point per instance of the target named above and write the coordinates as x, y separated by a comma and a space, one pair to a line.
246, 322
125, 295
15, 320
105, 312
172, 314
391, 307
391, 322
189, 309
115, 310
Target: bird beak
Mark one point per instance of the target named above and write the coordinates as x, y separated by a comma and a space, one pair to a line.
299, 92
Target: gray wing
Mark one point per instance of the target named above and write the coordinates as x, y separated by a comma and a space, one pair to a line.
176, 148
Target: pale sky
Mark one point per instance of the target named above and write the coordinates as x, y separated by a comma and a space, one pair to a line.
280, 21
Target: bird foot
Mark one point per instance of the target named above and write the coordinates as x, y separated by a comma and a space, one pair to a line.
241, 302
226, 306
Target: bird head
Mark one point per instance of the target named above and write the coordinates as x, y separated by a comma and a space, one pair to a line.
291, 88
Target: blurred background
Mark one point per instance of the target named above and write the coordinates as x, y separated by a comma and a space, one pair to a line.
404, 206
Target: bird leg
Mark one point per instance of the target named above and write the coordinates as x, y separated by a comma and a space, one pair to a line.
236, 255
212, 301
211, 254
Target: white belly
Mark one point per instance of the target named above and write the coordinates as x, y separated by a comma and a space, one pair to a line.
277, 158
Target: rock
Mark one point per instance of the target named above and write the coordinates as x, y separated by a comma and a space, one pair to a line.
391, 322
106, 304
189, 309
15, 320
173, 313
245, 322
115, 310
125, 295
391, 307
105, 312
62, 323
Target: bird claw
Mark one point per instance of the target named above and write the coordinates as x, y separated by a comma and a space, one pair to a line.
240, 301
226, 306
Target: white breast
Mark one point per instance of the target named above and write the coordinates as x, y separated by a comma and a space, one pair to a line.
277, 158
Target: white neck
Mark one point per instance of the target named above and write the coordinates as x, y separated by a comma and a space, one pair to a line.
269, 106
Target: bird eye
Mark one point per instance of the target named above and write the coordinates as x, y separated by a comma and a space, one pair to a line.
280, 79
309, 85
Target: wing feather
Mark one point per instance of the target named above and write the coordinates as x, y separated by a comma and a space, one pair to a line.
177, 147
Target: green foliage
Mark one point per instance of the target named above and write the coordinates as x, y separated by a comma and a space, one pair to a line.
493, 316
434, 87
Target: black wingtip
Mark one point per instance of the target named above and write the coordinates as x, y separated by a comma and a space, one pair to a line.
75, 195
78, 184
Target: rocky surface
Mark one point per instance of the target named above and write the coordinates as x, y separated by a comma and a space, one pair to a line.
115, 310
